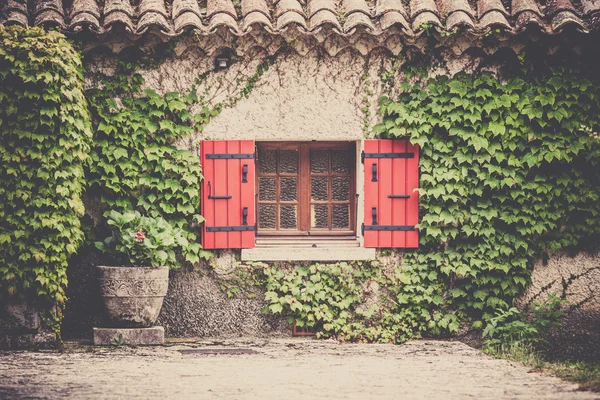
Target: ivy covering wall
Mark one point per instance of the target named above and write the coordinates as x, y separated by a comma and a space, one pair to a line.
44, 141
134, 163
509, 173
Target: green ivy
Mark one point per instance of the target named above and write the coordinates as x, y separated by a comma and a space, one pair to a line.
135, 163
508, 171
508, 174
351, 301
44, 141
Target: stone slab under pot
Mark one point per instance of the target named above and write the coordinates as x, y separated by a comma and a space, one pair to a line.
132, 298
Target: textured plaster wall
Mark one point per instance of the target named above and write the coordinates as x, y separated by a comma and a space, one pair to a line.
312, 97
309, 96
576, 279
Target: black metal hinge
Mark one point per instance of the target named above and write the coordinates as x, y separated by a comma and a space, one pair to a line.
364, 155
230, 228
228, 156
388, 228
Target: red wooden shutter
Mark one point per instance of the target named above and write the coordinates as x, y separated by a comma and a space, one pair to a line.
391, 202
227, 194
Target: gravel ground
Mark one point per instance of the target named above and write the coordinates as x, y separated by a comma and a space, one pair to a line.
275, 369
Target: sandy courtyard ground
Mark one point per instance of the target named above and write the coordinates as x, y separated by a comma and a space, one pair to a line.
275, 369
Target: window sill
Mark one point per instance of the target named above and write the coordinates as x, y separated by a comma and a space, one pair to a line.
308, 254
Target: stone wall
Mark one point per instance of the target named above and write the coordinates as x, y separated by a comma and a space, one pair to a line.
195, 305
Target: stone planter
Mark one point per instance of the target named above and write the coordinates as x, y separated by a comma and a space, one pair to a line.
133, 296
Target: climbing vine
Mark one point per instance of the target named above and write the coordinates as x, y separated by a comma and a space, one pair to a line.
135, 164
44, 141
508, 174
351, 301
509, 171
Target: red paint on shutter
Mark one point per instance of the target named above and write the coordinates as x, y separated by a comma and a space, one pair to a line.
389, 216
225, 198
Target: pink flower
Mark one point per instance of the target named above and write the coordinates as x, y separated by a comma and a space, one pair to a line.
139, 236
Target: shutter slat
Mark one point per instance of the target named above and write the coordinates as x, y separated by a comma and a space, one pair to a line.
219, 188
384, 210
391, 194
223, 211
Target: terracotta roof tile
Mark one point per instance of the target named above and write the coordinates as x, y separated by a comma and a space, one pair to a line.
448, 7
420, 6
424, 19
121, 6
492, 19
323, 17
85, 13
214, 7
290, 18
352, 6
314, 6
284, 6
519, 6
486, 6
188, 19
385, 6
356, 20
310, 17
49, 12
256, 17
392, 18
118, 18
223, 19
249, 6
14, 12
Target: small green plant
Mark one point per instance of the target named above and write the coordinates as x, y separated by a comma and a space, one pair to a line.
142, 241
510, 327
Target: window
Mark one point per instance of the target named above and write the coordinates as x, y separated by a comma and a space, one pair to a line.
306, 189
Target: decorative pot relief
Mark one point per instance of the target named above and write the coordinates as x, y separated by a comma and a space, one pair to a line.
134, 287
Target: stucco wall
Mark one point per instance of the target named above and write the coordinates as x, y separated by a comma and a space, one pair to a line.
577, 280
303, 96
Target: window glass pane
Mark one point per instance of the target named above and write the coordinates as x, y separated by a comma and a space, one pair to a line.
340, 188
287, 217
340, 216
340, 161
320, 216
267, 216
319, 161
267, 161
288, 161
319, 188
266, 189
288, 189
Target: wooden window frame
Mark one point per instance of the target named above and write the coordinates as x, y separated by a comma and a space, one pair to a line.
304, 200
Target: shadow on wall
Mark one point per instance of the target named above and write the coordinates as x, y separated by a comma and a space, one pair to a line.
195, 305
576, 279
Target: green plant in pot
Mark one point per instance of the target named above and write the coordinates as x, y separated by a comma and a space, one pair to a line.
144, 248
